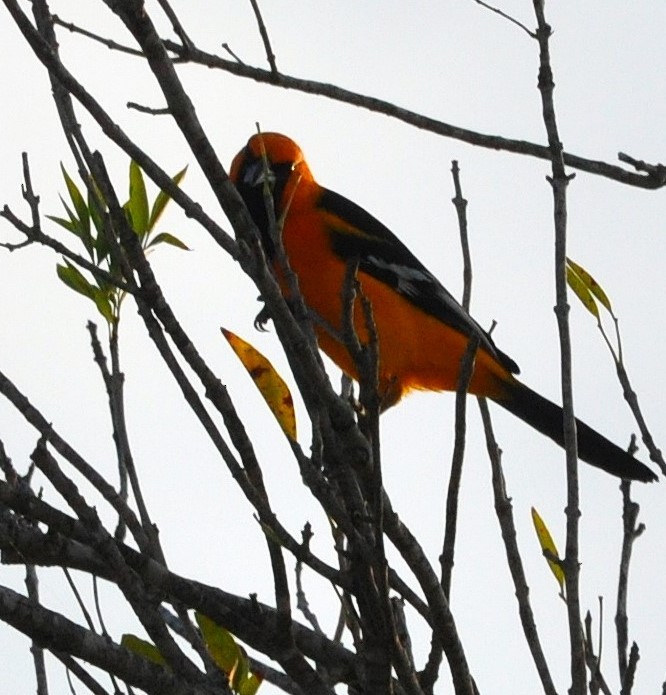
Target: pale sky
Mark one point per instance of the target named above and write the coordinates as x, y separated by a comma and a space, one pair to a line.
461, 64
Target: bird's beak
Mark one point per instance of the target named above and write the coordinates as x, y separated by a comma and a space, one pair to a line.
254, 173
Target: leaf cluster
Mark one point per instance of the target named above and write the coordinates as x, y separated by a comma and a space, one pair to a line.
228, 655
88, 220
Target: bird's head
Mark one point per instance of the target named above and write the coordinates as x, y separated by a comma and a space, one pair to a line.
275, 160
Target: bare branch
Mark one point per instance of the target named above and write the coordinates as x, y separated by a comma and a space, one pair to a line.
655, 174
441, 619
494, 142
111, 129
656, 171
504, 512
37, 420
559, 183
54, 631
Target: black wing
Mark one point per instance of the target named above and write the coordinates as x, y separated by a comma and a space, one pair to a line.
383, 256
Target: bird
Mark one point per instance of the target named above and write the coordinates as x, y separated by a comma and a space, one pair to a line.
422, 331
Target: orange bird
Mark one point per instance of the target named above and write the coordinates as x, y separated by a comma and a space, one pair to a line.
422, 330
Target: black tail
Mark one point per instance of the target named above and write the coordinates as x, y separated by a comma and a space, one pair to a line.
595, 449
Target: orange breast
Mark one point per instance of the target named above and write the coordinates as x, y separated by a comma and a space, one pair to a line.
416, 350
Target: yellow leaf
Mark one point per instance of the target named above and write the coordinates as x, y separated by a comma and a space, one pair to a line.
548, 547
582, 292
270, 384
592, 285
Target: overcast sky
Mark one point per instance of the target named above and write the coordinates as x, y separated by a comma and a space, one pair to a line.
453, 61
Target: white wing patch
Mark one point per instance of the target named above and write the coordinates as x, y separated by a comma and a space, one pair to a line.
417, 283
405, 275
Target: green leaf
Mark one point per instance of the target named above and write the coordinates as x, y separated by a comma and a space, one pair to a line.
142, 648
73, 217
74, 279
242, 670
250, 685
162, 199
166, 238
81, 209
582, 292
103, 303
67, 224
101, 247
137, 205
220, 644
77, 227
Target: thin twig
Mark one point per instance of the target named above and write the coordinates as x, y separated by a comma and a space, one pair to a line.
631, 398
628, 680
508, 17
109, 43
270, 56
227, 48
631, 531
597, 680
73, 667
460, 204
431, 669
32, 585
175, 23
464, 379
301, 599
77, 595
113, 382
147, 109
504, 512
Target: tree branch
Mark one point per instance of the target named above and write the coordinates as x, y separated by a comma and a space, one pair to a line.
559, 183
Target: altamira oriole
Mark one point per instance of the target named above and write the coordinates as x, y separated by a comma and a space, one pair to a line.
422, 331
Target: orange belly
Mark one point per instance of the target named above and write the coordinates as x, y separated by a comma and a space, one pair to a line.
416, 350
